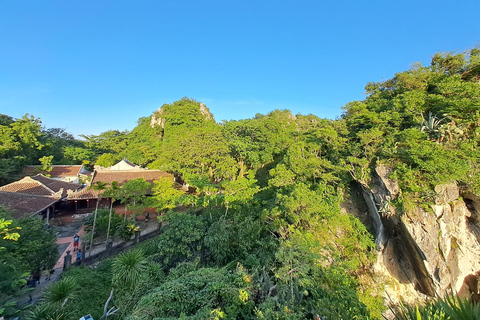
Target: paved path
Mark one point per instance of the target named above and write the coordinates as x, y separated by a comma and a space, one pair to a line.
65, 243
35, 294
68, 240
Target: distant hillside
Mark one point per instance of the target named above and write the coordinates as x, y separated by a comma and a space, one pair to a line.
295, 216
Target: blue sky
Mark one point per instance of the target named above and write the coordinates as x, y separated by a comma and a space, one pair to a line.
92, 66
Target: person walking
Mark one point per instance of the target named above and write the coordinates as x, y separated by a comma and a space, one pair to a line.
79, 257
67, 260
76, 238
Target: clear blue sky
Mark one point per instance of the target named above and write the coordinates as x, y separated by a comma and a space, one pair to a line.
91, 66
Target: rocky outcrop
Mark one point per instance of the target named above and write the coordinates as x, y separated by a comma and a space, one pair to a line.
444, 234
431, 250
205, 112
158, 117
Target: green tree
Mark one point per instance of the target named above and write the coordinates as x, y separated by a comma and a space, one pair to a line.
200, 294
99, 187
181, 239
46, 165
112, 141
33, 250
107, 160
201, 151
144, 143
55, 140
166, 195
20, 144
114, 193
133, 194
36, 247
78, 155
239, 191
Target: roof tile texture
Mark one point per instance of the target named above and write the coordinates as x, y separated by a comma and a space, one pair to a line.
22, 204
27, 186
56, 185
124, 176
57, 171
40, 185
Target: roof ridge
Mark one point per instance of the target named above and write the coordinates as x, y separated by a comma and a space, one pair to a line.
55, 165
41, 183
54, 196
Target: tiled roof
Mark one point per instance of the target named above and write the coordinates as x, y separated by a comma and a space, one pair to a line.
121, 177
40, 185
56, 185
124, 176
85, 193
22, 204
86, 173
34, 194
58, 171
28, 186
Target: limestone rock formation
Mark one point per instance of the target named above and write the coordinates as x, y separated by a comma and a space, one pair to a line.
429, 251
159, 116
157, 119
205, 112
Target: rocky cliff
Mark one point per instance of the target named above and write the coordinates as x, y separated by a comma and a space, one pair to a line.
430, 250
159, 119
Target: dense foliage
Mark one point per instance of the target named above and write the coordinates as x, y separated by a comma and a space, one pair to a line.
32, 251
263, 236
25, 142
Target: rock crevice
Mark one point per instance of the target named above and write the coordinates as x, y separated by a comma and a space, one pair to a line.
428, 251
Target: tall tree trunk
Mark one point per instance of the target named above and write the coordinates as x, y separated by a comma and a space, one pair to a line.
93, 229
242, 172
110, 218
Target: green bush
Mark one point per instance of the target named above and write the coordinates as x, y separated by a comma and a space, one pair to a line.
449, 308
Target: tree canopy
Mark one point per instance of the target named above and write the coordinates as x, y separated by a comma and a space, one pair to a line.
262, 235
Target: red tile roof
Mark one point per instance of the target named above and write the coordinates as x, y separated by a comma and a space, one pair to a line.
124, 176
22, 204
34, 194
58, 171
28, 186
40, 185
85, 193
121, 177
57, 185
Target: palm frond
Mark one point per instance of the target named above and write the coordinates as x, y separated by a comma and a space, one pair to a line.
61, 290
129, 268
